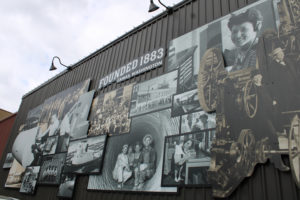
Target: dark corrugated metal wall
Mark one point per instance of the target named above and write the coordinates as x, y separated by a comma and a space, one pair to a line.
265, 183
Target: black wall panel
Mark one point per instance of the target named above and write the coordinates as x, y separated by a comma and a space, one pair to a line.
265, 183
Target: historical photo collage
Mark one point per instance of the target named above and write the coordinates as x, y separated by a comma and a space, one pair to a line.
163, 133
251, 79
53, 142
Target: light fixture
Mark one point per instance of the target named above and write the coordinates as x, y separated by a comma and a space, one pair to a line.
154, 7
54, 68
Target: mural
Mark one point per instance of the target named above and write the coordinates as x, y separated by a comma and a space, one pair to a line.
54, 130
197, 121
15, 175
32, 118
133, 162
85, 155
256, 102
152, 95
186, 102
187, 159
51, 169
229, 100
30, 179
109, 113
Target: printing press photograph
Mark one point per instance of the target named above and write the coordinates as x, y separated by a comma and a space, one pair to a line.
257, 109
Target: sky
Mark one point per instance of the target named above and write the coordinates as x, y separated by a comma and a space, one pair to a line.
34, 31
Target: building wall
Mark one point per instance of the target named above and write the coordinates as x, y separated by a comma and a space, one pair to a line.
265, 183
5, 129
4, 114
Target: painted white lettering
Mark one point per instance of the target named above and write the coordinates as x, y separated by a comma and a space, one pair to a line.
134, 64
128, 68
117, 74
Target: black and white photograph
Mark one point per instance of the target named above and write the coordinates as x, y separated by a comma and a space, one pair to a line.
185, 103
32, 119
51, 169
85, 155
241, 31
66, 186
30, 180
22, 148
257, 107
187, 159
154, 94
109, 112
60, 104
197, 121
133, 162
50, 145
15, 175
75, 123
8, 161
184, 55
29, 144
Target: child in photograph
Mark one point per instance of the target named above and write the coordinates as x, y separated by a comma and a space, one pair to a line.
136, 163
147, 167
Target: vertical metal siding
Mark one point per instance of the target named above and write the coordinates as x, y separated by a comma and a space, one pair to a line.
265, 183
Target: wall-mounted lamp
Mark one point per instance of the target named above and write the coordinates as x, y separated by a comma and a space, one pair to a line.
154, 7
54, 68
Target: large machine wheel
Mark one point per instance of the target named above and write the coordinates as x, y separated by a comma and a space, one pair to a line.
294, 149
246, 139
247, 142
212, 64
250, 99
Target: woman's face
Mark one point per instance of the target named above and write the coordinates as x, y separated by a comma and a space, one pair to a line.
124, 150
243, 34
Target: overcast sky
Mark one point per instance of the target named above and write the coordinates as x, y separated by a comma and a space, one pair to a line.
33, 31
